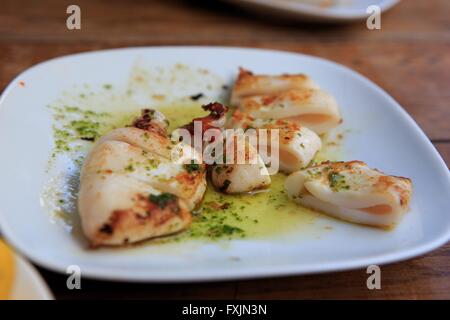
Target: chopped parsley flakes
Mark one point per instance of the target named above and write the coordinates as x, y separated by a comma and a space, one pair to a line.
162, 200
337, 181
192, 167
74, 125
224, 229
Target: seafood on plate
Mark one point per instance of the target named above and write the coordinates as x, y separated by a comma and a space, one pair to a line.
140, 182
351, 191
133, 187
287, 97
244, 172
296, 145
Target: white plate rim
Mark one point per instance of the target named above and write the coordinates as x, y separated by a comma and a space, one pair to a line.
310, 11
27, 277
259, 272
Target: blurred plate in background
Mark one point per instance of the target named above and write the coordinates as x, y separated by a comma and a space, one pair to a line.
20, 280
316, 10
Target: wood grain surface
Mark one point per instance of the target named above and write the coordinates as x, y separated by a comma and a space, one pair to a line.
409, 58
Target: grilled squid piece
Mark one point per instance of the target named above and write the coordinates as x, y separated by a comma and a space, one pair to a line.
351, 191
289, 97
248, 84
312, 108
132, 189
297, 145
247, 171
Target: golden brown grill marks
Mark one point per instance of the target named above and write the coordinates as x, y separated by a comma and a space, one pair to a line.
142, 213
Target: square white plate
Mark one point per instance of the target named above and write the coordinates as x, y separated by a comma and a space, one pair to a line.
382, 134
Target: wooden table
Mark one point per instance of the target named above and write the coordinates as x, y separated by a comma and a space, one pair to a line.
409, 58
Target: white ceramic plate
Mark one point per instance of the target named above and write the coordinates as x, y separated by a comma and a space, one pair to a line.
28, 284
345, 10
382, 134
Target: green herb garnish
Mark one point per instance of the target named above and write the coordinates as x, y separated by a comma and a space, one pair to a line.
163, 199
86, 129
225, 229
192, 167
337, 181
